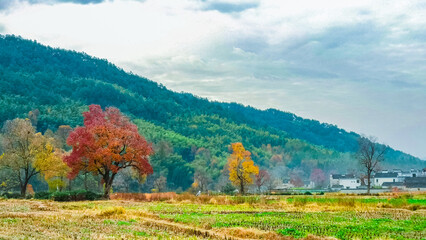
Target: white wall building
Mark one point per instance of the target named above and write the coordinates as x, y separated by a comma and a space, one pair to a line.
382, 177
348, 181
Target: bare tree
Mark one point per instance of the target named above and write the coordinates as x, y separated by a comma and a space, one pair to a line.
370, 154
261, 179
160, 184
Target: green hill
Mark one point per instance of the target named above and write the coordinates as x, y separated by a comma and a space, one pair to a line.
190, 134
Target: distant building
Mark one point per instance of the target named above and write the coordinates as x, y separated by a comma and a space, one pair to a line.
386, 177
348, 181
415, 183
283, 187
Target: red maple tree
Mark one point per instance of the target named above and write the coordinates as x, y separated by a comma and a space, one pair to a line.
107, 143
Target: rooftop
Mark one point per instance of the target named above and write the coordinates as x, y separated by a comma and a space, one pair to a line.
342, 176
415, 182
386, 175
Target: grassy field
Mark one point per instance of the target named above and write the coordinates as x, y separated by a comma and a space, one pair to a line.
219, 217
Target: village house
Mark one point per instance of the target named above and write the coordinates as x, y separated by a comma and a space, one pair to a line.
386, 177
348, 181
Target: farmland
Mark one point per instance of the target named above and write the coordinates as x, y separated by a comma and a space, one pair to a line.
185, 216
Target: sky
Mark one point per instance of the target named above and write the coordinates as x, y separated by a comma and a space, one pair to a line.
358, 64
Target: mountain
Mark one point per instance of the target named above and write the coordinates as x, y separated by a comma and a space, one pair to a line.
190, 134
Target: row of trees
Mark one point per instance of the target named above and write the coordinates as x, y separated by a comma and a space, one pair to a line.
106, 144
109, 143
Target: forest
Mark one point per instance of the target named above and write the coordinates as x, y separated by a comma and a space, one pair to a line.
191, 136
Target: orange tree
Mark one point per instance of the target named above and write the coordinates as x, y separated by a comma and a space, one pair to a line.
107, 143
241, 167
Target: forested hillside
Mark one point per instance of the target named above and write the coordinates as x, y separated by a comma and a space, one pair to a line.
191, 135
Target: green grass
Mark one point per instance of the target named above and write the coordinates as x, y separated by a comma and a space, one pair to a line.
341, 217
342, 225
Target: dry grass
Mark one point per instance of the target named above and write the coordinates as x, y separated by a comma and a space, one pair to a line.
149, 197
134, 216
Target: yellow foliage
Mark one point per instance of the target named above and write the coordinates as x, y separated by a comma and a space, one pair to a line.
49, 162
241, 167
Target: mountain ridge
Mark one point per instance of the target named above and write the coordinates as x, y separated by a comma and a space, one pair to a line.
62, 83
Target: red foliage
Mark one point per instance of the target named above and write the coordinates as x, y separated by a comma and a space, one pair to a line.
107, 143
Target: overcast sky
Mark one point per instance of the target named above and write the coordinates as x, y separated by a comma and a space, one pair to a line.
358, 64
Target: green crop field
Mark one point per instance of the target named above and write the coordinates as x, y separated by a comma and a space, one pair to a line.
219, 217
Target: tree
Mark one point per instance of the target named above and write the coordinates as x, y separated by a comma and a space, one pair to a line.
52, 167
296, 180
160, 184
241, 167
261, 179
107, 143
25, 151
318, 177
369, 155
201, 180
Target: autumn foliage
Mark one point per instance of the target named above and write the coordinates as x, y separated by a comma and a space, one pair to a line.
107, 143
241, 167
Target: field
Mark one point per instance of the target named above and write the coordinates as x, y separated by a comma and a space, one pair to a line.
219, 217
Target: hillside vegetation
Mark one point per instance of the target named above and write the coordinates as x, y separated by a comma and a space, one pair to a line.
190, 134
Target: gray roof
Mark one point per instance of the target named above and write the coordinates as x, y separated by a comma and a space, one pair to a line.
415, 182
342, 176
392, 184
386, 175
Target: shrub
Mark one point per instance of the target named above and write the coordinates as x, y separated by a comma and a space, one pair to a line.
11, 195
228, 189
308, 193
61, 196
42, 195
75, 196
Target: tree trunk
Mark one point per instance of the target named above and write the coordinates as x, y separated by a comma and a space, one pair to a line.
85, 181
108, 180
368, 182
242, 188
23, 190
69, 184
107, 190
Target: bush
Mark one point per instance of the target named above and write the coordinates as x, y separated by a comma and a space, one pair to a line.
61, 196
11, 195
228, 189
75, 196
42, 195
308, 193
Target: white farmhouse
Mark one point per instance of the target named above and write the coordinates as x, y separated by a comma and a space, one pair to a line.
348, 181
386, 177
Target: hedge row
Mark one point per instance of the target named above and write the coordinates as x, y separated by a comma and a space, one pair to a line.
60, 196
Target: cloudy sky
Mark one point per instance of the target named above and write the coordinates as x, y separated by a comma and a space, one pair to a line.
358, 64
